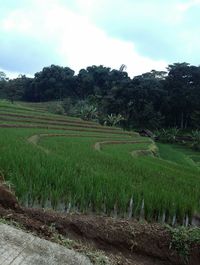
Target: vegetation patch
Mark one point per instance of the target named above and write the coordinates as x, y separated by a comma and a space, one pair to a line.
62, 170
183, 239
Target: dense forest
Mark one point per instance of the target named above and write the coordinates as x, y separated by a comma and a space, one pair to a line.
154, 99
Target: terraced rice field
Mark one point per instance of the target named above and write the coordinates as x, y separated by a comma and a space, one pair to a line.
74, 165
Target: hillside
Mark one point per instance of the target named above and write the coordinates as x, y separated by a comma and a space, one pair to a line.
75, 166
70, 164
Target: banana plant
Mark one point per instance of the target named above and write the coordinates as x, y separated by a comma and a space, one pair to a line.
113, 119
88, 112
196, 139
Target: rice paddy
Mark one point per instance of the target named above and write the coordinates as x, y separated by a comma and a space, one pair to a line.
128, 176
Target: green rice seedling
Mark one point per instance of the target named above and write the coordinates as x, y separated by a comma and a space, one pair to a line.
72, 175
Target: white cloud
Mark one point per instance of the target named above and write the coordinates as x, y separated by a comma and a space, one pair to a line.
16, 21
94, 46
77, 41
183, 7
11, 74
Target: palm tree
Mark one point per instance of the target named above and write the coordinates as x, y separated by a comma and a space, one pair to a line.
122, 67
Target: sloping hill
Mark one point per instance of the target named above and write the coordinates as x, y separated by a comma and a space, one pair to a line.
68, 164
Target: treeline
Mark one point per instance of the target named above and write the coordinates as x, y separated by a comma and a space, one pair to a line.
154, 99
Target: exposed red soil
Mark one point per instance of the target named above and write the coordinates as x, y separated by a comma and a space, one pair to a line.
60, 128
7, 196
7, 199
125, 241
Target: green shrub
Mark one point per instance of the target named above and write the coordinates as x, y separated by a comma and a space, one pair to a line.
168, 135
56, 108
196, 140
67, 105
113, 119
182, 240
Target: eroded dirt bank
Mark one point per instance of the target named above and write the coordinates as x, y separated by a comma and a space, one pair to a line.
130, 240
125, 241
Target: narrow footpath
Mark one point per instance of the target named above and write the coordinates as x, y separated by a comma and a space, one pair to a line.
20, 248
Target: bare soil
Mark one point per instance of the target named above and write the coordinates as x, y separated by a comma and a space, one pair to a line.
123, 241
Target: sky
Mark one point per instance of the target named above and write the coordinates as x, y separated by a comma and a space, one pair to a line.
142, 34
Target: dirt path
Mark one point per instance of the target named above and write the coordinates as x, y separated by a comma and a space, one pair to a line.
34, 139
94, 232
21, 248
141, 152
124, 242
98, 145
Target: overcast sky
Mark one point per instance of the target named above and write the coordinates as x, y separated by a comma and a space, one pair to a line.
142, 34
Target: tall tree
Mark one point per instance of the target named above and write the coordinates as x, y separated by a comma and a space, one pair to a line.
182, 85
3, 82
54, 82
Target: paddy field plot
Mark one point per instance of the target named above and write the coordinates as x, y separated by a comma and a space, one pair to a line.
51, 161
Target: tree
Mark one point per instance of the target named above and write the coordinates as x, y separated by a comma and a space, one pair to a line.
182, 85
54, 82
3, 81
153, 99
3, 76
122, 68
15, 88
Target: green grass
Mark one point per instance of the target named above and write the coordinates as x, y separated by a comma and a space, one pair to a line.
179, 154
72, 171
126, 148
43, 121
